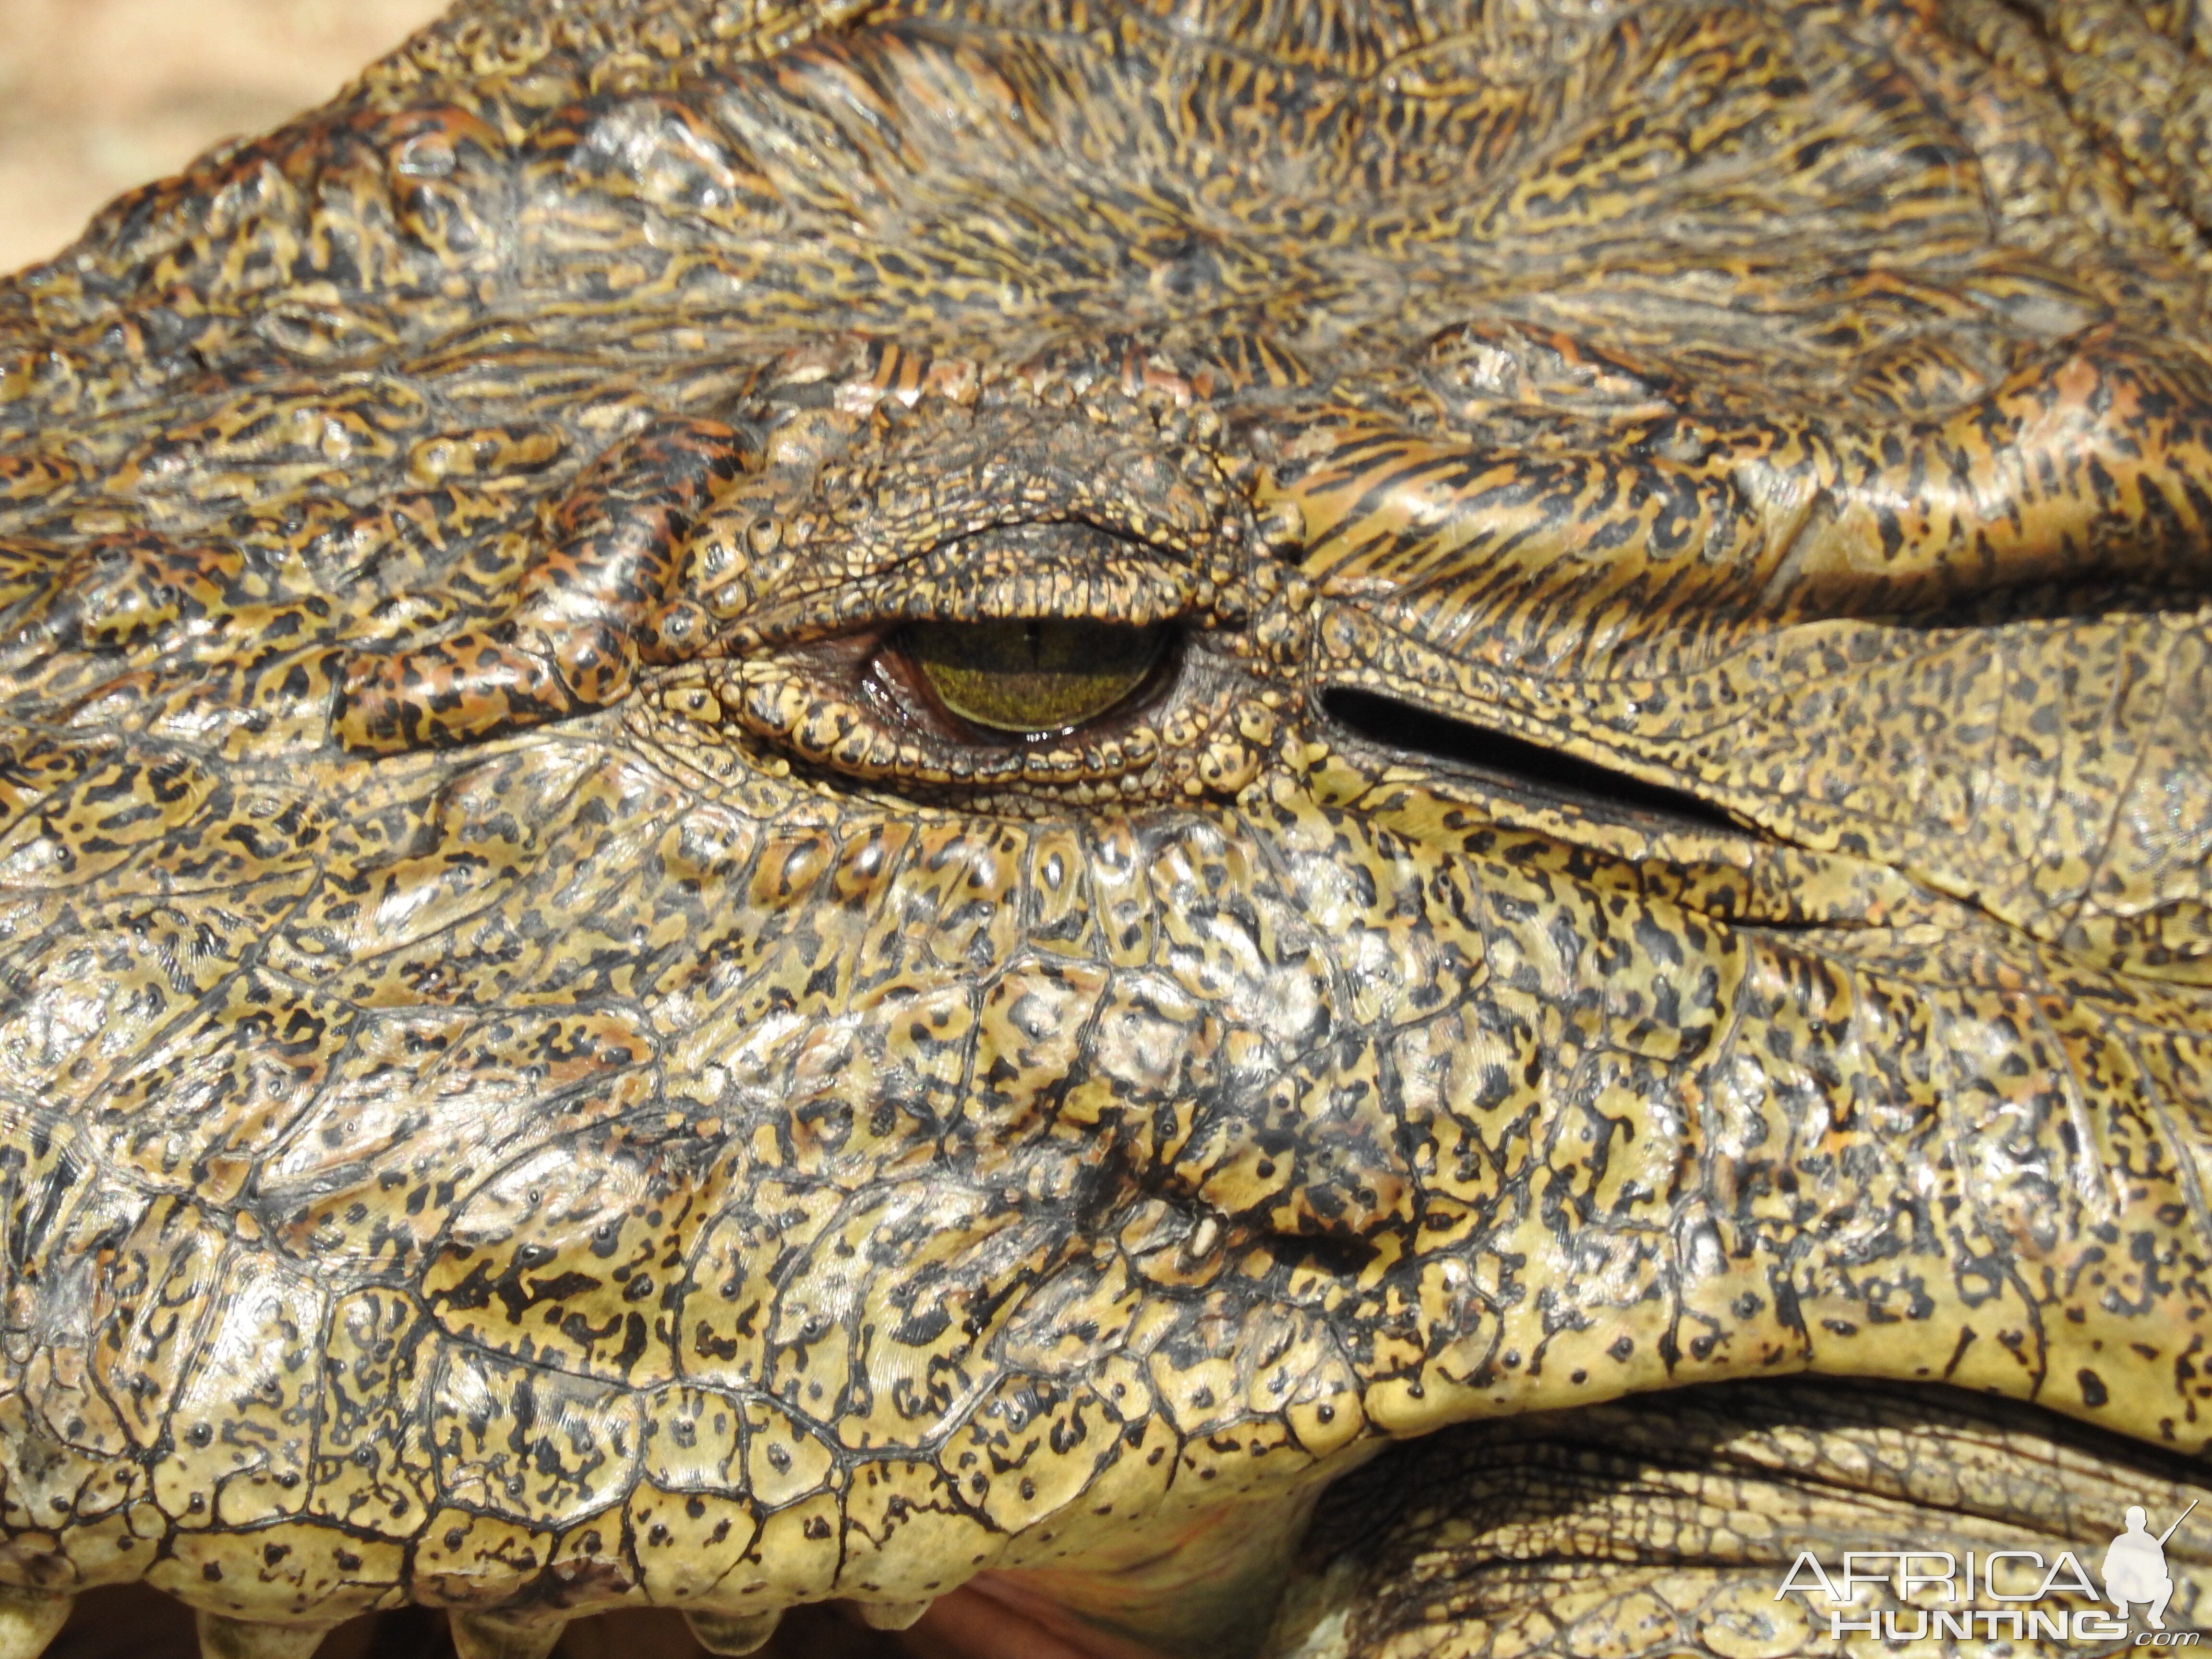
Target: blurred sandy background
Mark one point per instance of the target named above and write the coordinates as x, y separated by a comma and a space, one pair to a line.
97, 95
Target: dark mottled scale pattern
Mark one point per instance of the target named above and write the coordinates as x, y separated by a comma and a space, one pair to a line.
1669, 848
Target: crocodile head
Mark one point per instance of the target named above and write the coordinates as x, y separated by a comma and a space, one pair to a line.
905, 805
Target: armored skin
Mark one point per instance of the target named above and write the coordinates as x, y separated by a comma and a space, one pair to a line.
912, 804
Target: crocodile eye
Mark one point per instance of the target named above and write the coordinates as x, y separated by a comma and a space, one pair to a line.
1031, 676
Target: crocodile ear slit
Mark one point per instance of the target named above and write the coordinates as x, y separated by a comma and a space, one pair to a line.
1393, 722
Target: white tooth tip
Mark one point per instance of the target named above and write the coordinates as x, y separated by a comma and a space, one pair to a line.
891, 1615
733, 1632
225, 1638
29, 1620
490, 1636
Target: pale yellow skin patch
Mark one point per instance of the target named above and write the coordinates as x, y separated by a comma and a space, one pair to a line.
1610, 793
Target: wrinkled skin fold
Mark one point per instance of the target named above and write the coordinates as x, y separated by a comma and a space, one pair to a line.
1659, 849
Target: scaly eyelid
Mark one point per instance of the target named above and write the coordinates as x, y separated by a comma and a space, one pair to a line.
1067, 569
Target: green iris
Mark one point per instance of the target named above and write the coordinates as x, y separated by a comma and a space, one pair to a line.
1033, 674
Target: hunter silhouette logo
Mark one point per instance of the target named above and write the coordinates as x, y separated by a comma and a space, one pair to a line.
2134, 1567
1948, 1594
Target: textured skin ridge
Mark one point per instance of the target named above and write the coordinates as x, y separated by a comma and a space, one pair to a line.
538, 1072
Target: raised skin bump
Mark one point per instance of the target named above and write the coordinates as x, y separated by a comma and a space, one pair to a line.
537, 1076
590, 604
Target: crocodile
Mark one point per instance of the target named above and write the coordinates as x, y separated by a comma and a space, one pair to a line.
1346, 829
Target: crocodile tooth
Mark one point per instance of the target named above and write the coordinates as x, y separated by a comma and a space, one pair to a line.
733, 1632
28, 1621
892, 1615
488, 1636
224, 1637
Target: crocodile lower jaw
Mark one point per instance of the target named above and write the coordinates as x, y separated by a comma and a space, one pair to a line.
1687, 1508
1203, 1585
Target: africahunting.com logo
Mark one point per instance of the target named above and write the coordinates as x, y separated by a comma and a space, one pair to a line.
2000, 1594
